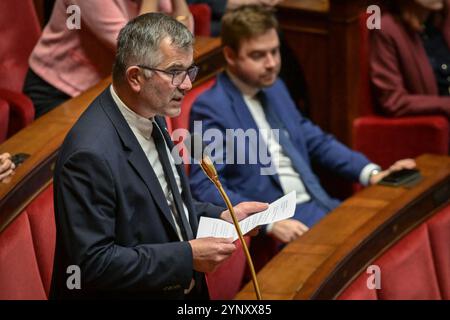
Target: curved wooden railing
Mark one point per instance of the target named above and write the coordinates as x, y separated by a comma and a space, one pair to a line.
43, 138
325, 260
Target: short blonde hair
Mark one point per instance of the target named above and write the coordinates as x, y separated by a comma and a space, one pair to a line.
246, 22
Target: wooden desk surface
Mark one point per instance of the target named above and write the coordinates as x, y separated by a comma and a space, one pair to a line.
319, 264
306, 5
44, 136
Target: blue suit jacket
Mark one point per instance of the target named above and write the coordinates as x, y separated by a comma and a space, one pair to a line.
222, 107
112, 218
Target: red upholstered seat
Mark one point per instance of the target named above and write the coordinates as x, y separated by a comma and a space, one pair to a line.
21, 110
407, 269
182, 121
4, 119
42, 222
416, 267
439, 231
358, 290
18, 39
202, 19
384, 139
19, 276
225, 282
27, 251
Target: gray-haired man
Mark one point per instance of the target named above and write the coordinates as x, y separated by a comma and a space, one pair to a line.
124, 211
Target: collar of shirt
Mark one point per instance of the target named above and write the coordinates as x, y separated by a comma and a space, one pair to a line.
245, 89
143, 125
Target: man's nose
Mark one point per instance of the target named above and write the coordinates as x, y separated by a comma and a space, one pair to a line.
270, 61
186, 84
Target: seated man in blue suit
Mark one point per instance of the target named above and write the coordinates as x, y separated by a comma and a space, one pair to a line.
249, 96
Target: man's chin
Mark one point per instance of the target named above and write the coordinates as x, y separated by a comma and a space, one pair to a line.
174, 110
267, 82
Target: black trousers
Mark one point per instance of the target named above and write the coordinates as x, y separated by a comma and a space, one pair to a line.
44, 96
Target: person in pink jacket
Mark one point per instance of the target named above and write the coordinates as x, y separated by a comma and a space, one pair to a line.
410, 58
68, 61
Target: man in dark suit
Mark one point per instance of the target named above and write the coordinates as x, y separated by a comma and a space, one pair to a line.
124, 212
249, 96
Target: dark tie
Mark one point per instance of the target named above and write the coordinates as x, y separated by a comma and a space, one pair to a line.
310, 181
178, 213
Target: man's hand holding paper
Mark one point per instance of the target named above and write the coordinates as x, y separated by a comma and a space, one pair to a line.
280, 209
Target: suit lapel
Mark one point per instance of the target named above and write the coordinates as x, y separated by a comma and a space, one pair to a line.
136, 155
283, 111
245, 118
240, 109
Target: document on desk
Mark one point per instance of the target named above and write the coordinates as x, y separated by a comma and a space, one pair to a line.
281, 209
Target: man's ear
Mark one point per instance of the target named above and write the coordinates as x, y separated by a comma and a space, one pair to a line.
134, 78
230, 55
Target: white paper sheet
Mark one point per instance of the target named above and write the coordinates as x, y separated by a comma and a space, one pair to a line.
280, 209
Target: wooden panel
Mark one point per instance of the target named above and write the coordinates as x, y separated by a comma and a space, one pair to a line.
325, 38
322, 262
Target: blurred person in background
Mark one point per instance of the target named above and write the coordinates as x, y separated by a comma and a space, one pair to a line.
410, 58
66, 62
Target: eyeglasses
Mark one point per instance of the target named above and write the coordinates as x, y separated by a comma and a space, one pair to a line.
178, 76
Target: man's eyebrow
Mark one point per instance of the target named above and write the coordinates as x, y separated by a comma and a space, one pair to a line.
264, 50
178, 66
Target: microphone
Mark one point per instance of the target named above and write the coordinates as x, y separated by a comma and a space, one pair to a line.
197, 151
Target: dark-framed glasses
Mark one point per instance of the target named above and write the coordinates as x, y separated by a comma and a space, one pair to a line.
178, 76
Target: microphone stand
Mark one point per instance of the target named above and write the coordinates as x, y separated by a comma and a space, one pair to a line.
209, 169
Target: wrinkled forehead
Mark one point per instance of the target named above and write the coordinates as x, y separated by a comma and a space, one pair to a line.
262, 42
174, 56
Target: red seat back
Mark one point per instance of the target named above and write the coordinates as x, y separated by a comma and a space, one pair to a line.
226, 281
416, 267
4, 119
383, 139
42, 222
19, 277
202, 19
19, 36
182, 121
180, 124
386, 140
439, 233
26, 251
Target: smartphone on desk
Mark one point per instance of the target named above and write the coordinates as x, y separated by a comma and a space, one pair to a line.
400, 178
18, 158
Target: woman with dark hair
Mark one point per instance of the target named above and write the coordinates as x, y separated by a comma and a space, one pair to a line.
410, 58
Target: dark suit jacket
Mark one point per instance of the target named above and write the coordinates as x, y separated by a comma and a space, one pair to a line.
112, 217
223, 107
400, 71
